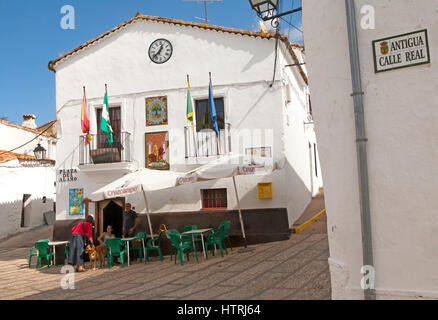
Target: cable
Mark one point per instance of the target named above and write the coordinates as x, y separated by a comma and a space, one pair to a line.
290, 20
292, 25
29, 140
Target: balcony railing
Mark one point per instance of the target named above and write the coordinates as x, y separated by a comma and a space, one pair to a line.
205, 143
100, 151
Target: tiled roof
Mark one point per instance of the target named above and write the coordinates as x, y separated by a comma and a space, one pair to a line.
139, 16
14, 125
50, 131
6, 156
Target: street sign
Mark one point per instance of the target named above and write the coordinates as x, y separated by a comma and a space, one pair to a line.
401, 51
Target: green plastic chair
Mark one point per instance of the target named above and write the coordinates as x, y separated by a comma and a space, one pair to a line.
114, 249
226, 225
34, 251
144, 237
66, 252
44, 253
137, 251
180, 246
168, 233
196, 237
153, 245
216, 238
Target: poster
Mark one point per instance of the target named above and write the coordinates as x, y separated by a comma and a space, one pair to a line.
157, 150
156, 111
76, 203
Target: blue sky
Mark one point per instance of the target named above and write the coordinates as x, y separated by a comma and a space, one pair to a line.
31, 36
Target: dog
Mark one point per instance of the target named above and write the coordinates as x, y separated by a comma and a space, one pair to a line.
98, 253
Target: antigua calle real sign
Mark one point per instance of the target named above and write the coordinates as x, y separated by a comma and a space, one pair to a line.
402, 51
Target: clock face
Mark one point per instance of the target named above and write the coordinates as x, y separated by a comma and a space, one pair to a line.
160, 51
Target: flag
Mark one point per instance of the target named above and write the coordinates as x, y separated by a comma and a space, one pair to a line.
189, 104
85, 121
105, 121
213, 114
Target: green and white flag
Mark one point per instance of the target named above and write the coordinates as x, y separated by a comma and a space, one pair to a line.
189, 104
105, 121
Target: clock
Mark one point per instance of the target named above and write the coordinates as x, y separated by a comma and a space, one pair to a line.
160, 51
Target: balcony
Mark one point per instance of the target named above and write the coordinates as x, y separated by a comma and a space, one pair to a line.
99, 151
205, 143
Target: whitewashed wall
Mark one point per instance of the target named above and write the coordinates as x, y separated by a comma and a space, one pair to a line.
242, 68
400, 118
11, 137
17, 181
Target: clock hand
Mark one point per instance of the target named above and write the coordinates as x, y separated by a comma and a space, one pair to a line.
159, 51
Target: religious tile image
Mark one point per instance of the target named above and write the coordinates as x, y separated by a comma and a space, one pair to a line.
157, 150
156, 111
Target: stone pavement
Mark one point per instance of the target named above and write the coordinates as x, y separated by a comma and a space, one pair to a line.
293, 269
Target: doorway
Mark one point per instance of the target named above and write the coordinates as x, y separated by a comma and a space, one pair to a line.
113, 215
25, 210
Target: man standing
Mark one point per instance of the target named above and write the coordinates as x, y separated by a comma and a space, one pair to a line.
130, 221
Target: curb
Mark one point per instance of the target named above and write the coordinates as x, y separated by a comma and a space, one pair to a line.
309, 222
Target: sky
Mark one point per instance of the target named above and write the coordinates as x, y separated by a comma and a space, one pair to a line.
31, 35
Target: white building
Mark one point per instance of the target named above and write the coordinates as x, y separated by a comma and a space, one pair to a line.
27, 185
400, 119
253, 112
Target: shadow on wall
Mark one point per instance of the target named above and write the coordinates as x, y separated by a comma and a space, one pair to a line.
299, 195
14, 216
10, 218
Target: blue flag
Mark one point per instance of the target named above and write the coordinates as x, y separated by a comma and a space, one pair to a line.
213, 109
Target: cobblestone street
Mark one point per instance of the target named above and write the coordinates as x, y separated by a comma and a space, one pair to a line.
292, 269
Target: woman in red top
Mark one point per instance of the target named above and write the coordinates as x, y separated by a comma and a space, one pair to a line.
76, 250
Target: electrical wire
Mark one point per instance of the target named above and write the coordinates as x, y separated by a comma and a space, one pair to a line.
29, 140
292, 25
290, 20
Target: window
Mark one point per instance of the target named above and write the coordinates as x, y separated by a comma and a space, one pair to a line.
315, 159
309, 111
102, 139
203, 119
214, 198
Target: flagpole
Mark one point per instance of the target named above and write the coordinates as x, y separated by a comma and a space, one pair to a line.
217, 136
86, 135
194, 133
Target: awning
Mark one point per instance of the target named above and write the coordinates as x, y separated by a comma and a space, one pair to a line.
137, 181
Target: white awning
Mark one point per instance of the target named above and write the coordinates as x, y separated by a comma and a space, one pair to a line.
137, 181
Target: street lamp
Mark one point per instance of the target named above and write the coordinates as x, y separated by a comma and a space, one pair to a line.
264, 7
40, 152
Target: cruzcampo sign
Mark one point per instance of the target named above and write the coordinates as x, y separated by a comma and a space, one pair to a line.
402, 51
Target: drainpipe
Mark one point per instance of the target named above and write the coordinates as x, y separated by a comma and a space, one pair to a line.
361, 140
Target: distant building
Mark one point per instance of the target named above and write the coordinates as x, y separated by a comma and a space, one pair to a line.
147, 100
27, 185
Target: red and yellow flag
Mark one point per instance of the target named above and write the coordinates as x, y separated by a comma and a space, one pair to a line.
85, 121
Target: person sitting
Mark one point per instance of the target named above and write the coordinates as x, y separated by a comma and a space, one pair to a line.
106, 235
77, 246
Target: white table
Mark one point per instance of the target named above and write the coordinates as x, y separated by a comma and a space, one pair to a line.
54, 244
128, 240
201, 232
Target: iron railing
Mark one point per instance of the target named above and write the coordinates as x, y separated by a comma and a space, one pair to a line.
205, 143
100, 151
